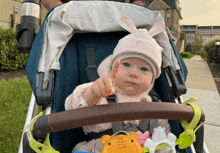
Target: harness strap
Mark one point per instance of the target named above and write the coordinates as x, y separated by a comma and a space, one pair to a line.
91, 70
143, 126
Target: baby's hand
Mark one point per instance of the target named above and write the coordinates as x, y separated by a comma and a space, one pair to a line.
104, 86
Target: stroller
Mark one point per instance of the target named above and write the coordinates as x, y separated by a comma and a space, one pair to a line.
73, 39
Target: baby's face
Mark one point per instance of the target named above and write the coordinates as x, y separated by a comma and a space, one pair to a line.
134, 76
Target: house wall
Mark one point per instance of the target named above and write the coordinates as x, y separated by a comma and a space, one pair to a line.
171, 16
204, 32
176, 24
7, 8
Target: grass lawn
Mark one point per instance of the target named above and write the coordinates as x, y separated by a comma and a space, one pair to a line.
15, 96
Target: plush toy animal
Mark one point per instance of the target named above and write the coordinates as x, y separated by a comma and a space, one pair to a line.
121, 144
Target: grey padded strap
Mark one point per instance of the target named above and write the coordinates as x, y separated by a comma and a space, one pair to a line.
130, 128
144, 125
90, 57
153, 124
91, 69
117, 126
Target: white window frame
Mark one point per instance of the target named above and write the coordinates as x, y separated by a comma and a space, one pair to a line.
168, 16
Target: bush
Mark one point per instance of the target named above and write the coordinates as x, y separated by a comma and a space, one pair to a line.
11, 58
208, 51
189, 48
186, 54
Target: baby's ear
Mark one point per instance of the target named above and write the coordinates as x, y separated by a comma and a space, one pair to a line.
157, 28
128, 24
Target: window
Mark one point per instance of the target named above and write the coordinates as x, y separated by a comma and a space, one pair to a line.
205, 38
158, 5
168, 16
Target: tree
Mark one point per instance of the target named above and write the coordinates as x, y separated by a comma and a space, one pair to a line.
197, 45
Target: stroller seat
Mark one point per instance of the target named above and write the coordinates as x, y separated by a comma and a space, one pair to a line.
59, 56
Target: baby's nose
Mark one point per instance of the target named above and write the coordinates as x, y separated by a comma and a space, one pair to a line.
133, 73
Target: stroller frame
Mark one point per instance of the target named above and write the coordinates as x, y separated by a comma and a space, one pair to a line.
33, 108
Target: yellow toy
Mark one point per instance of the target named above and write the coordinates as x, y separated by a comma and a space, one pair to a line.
121, 144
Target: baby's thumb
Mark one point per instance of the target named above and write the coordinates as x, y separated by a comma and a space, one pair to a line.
113, 91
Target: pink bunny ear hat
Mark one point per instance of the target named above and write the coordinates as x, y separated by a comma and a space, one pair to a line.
140, 43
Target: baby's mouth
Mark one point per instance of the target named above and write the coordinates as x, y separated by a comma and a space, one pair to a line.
131, 83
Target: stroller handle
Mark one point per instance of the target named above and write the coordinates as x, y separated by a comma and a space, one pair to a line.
106, 113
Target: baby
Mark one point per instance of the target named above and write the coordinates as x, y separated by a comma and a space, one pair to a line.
129, 73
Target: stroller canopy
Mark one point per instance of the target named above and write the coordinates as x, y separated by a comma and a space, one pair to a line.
99, 16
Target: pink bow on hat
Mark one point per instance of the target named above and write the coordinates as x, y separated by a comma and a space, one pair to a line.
142, 137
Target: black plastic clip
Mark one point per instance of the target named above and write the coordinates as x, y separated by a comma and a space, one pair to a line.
178, 84
45, 97
111, 99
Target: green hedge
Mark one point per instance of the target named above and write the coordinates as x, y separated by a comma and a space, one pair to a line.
10, 57
208, 51
186, 54
189, 48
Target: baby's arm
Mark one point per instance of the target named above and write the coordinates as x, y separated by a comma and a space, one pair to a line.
90, 97
102, 87
74, 100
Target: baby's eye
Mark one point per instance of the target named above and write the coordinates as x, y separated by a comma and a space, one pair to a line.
126, 64
143, 69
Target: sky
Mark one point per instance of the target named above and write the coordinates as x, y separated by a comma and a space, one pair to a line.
201, 12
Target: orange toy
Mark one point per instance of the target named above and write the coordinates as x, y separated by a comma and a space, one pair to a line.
121, 144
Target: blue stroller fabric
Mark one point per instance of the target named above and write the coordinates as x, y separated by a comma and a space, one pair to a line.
72, 73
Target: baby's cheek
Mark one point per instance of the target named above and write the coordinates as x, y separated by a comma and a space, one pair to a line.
118, 82
145, 85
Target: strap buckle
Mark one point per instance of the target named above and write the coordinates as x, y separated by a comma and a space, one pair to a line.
111, 99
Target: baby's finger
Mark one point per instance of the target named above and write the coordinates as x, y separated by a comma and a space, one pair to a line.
101, 85
96, 89
113, 91
115, 70
108, 85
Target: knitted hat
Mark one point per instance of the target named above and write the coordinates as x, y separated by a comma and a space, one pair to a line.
140, 43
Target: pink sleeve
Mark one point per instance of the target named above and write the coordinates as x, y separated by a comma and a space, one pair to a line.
74, 99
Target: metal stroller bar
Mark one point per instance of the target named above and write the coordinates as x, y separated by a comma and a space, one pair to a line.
32, 112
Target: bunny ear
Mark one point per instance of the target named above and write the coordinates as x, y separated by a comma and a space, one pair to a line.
128, 24
156, 29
